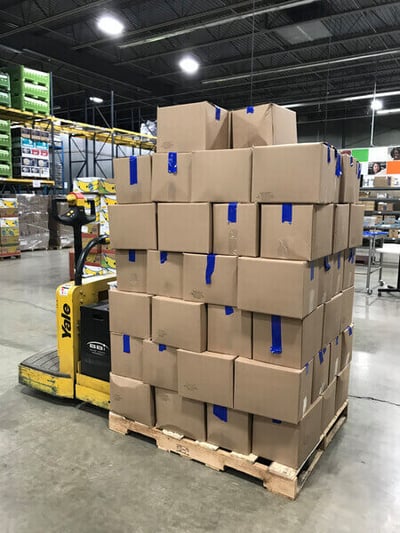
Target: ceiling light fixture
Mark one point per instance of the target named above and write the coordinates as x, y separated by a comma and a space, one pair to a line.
189, 64
96, 99
394, 111
376, 105
110, 25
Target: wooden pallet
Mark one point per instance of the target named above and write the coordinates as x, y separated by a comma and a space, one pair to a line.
276, 478
9, 256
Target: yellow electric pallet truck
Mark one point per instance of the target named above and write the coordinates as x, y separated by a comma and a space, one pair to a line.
58, 372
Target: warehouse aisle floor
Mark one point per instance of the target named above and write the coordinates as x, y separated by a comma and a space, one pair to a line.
62, 470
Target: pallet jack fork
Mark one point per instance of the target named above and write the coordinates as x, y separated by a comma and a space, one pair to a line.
57, 372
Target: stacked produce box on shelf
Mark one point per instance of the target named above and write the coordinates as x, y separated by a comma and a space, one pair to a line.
30, 89
5, 95
102, 258
232, 318
30, 149
5, 149
9, 228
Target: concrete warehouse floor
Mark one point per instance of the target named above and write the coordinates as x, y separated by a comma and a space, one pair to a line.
62, 470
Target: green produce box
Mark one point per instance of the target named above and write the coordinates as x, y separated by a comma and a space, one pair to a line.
5, 156
5, 98
5, 126
32, 90
19, 73
4, 81
25, 103
5, 170
5, 140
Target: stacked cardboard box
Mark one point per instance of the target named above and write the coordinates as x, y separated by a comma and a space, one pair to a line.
231, 321
33, 222
9, 227
30, 149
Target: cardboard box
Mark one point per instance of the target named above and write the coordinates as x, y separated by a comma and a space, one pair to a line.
221, 175
185, 228
331, 271
296, 231
207, 377
179, 324
9, 231
180, 415
350, 180
160, 365
296, 173
287, 341
332, 318
171, 177
133, 227
328, 405
342, 387
288, 444
341, 222
347, 308
210, 278
336, 356
277, 287
347, 346
229, 429
369, 205
130, 313
107, 186
236, 229
189, 127
349, 267
132, 399
126, 356
356, 225
271, 390
321, 372
229, 330
385, 206
382, 181
8, 207
165, 273
86, 185
263, 125
131, 270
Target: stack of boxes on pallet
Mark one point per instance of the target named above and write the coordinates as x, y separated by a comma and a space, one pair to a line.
30, 89
9, 228
231, 320
5, 96
101, 260
30, 149
5, 149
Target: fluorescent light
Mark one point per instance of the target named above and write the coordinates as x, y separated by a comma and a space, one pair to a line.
394, 111
376, 104
189, 64
96, 99
110, 25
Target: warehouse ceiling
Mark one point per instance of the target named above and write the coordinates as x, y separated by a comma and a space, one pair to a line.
317, 53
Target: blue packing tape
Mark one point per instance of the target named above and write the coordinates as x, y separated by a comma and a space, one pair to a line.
337, 341
307, 366
172, 162
163, 257
276, 421
162, 347
338, 260
287, 213
358, 170
328, 158
210, 268
338, 168
249, 109
276, 334
312, 271
321, 357
132, 170
351, 256
217, 113
351, 161
132, 256
220, 412
232, 212
327, 265
350, 330
228, 310
127, 343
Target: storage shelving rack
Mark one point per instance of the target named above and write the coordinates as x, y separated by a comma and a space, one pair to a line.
392, 199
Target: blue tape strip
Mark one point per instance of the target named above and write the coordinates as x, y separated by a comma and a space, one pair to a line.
127, 343
276, 334
276, 421
338, 168
228, 310
132, 170
351, 255
163, 257
337, 341
132, 255
350, 330
232, 212
312, 270
162, 347
220, 412
351, 161
172, 162
321, 357
358, 171
338, 260
249, 109
307, 368
217, 113
328, 154
287, 213
327, 265
210, 268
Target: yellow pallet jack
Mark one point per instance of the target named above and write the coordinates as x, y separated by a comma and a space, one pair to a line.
57, 372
